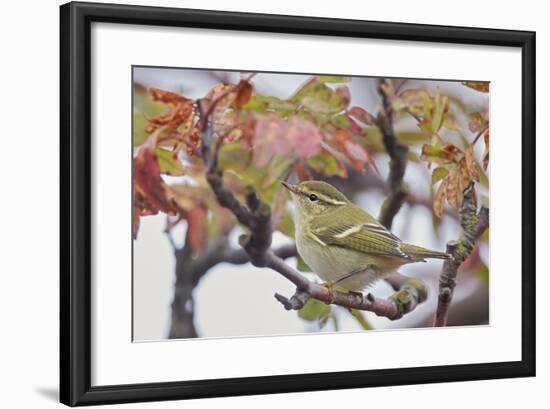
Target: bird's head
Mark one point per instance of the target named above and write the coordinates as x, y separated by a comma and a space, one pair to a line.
315, 197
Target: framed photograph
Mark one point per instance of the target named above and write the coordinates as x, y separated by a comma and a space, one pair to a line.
261, 203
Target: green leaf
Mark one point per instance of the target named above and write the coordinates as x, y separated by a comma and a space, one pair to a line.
360, 318
411, 138
334, 79
318, 97
438, 110
139, 124
342, 121
263, 103
327, 164
441, 154
144, 104
438, 174
314, 310
168, 163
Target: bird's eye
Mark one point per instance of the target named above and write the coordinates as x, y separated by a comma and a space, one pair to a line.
313, 197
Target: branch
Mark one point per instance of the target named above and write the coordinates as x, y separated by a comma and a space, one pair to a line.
256, 216
398, 160
473, 225
411, 293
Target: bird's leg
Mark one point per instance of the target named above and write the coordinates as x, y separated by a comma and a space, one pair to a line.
329, 285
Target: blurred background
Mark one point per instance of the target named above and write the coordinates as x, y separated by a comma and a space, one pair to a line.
223, 297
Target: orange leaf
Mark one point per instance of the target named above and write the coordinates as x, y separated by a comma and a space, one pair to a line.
453, 188
477, 85
244, 93
439, 198
362, 115
302, 172
197, 232
470, 163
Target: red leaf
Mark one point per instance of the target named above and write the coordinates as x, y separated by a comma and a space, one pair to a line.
362, 115
244, 92
273, 136
304, 138
269, 139
147, 176
302, 172
344, 93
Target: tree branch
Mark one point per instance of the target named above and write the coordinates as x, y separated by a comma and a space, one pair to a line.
256, 216
473, 225
398, 160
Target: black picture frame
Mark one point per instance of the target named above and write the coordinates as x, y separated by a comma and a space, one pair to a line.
76, 199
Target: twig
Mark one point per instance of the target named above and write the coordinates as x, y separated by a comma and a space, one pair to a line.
410, 294
473, 225
256, 216
398, 160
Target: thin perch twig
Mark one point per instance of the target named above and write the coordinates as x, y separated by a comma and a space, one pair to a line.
473, 225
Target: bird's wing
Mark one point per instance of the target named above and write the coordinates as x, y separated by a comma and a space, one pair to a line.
359, 233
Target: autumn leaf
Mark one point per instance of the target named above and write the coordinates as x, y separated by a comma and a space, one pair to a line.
147, 175
363, 116
417, 101
304, 138
439, 198
441, 155
297, 137
344, 93
318, 97
197, 232
269, 139
302, 172
438, 174
470, 163
477, 122
141, 207
333, 79
169, 162
326, 164
481, 86
265, 103
440, 106
181, 110
243, 94
453, 188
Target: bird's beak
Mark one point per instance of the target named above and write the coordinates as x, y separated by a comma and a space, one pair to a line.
291, 188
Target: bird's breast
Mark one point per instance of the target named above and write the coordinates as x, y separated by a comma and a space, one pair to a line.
333, 262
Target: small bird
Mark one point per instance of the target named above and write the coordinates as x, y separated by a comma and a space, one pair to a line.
343, 244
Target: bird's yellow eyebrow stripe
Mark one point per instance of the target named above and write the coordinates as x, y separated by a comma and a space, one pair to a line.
324, 198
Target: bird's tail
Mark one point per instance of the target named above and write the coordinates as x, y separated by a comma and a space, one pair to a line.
420, 253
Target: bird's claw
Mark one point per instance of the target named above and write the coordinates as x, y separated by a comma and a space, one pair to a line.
329, 286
